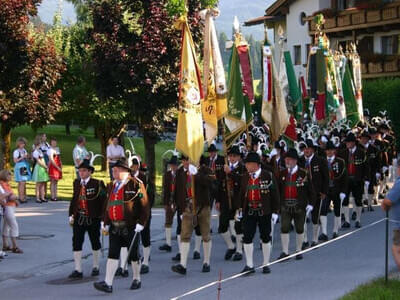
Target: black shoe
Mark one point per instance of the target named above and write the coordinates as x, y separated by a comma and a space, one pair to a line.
125, 273
233, 238
136, 284
305, 245
177, 257
362, 210
323, 237
165, 247
237, 256
229, 253
179, 269
365, 202
38, 201
45, 200
103, 286
342, 218
118, 273
370, 208
334, 235
313, 244
266, 270
76, 275
283, 255
248, 270
358, 225
206, 268
196, 255
346, 225
144, 269
299, 256
381, 196
95, 272
353, 216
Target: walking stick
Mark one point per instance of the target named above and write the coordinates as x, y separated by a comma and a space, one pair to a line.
387, 248
130, 250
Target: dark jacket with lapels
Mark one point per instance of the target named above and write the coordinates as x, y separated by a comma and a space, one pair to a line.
319, 173
168, 195
136, 203
234, 179
374, 162
338, 171
362, 172
268, 190
305, 191
96, 196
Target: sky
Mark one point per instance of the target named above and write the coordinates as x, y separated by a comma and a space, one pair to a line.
244, 9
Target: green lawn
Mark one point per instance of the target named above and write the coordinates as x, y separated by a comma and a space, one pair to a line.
376, 290
67, 143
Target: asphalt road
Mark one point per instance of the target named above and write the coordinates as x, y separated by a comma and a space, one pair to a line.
325, 273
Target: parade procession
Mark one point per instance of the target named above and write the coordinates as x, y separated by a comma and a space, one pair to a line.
265, 182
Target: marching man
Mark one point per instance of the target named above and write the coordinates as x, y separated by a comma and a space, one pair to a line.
127, 212
193, 200
258, 204
225, 203
85, 213
297, 201
336, 192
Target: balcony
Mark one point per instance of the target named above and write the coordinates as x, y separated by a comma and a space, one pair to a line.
359, 19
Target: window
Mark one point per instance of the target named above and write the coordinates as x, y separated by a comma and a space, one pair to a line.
390, 44
297, 55
366, 45
345, 4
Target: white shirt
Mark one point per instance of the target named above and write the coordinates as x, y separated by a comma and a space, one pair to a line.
309, 159
114, 151
233, 166
18, 153
352, 150
256, 174
294, 170
79, 153
37, 153
53, 151
85, 181
331, 159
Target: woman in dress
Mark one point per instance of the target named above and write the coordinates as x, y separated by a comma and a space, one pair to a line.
22, 169
10, 228
40, 175
55, 167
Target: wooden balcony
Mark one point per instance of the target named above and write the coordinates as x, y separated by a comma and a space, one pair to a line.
360, 19
377, 69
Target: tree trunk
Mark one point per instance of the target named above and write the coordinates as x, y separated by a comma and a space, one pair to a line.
5, 147
68, 128
150, 140
102, 136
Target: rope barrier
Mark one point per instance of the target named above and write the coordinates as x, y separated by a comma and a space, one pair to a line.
282, 259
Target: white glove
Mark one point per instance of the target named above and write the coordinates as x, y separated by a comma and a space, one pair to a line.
139, 227
274, 218
71, 220
384, 169
342, 196
309, 209
378, 176
192, 170
366, 184
238, 215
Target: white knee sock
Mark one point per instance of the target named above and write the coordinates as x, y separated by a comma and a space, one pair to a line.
197, 243
315, 230
123, 257
336, 224
266, 249
78, 260
299, 242
184, 253
346, 212
324, 222
146, 255
207, 252
305, 238
228, 241
136, 270
285, 242
96, 255
248, 251
178, 239
239, 243
358, 213
232, 227
112, 266
168, 234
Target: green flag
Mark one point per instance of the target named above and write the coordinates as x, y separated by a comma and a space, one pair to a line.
352, 113
294, 90
239, 110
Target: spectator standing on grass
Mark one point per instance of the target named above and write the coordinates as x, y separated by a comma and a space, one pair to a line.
10, 228
392, 201
44, 147
40, 173
114, 153
79, 153
55, 167
22, 171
